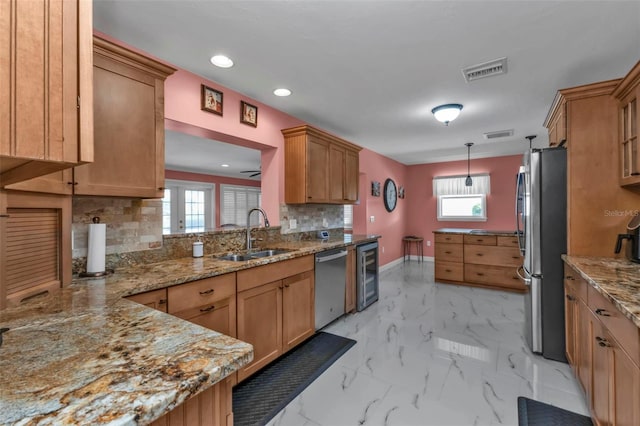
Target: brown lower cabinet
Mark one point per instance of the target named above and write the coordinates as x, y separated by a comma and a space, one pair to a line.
603, 350
275, 309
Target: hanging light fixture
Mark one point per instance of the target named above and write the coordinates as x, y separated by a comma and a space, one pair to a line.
468, 181
446, 113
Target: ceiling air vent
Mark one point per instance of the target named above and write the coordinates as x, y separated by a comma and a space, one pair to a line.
498, 134
487, 69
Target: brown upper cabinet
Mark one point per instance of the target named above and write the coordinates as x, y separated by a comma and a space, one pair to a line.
128, 106
46, 98
627, 94
557, 122
319, 167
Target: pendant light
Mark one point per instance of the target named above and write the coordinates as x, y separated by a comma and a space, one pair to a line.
468, 181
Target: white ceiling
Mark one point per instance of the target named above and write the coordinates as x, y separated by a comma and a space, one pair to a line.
371, 71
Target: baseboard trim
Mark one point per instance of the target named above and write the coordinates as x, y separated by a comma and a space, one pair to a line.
401, 260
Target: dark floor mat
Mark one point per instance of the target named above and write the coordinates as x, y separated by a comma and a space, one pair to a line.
259, 398
536, 413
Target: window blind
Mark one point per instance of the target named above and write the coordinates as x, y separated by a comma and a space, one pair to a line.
236, 202
455, 185
348, 216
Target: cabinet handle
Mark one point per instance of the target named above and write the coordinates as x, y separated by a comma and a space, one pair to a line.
603, 342
203, 293
210, 308
72, 183
162, 301
479, 240
287, 285
602, 312
447, 239
447, 252
161, 188
480, 274
570, 297
479, 254
569, 277
515, 257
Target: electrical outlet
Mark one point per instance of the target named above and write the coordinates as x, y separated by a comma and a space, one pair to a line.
325, 223
293, 224
372, 219
428, 243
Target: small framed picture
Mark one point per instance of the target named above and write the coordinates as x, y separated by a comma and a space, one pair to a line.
211, 100
375, 188
248, 114
401, 192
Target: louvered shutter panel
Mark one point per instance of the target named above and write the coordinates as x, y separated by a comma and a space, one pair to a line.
33, 246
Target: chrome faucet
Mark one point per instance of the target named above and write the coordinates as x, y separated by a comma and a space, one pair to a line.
266, 225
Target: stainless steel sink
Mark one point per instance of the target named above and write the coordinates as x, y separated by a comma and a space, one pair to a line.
241, 257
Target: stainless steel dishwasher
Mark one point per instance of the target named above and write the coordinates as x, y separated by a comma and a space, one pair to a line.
331, 275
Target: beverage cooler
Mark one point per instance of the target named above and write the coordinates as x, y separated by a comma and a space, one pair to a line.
366, 275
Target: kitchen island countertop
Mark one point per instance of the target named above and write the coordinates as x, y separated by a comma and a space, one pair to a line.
85, 355
618, 280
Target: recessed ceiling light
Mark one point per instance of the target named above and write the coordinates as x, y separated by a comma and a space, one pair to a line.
221, 61
224, 165
282, 92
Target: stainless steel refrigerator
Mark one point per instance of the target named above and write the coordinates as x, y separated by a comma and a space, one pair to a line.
541, 218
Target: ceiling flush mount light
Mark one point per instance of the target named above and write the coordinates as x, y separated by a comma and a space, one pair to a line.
282, 92
224, 165
221, 61
446, 113
468, 181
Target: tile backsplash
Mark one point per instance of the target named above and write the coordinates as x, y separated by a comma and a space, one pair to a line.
134, 230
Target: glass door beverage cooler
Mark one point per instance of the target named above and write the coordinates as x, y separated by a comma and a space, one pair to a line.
366, 275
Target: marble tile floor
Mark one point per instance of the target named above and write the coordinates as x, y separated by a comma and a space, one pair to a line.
432, 354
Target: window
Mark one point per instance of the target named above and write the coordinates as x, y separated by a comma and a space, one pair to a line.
188, 207
236, 201
456, 201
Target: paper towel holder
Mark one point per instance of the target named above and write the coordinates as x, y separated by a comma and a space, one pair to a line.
106, 272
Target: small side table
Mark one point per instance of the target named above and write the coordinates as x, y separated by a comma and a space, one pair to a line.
407, 241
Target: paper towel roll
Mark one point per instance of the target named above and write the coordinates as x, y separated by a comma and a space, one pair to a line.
96, 248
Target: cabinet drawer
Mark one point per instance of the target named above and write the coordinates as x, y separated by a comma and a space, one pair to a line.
201, 292
578, 284
489, 255
156, 299
449, 271
254, 277
481, 240
508, 241
448, 238
621, 328
501, 276
449, 252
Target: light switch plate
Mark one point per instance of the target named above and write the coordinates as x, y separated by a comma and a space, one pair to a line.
372, 219
325, 223
293, 224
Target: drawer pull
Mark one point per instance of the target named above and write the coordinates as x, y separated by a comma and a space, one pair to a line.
479, 254
479, 240
602, 312
287, 285
569, 277
447, 238
603, 342
210, 308
204, 293
480, 274
447, 252
447, 270
162, 301
515, 257
570, 297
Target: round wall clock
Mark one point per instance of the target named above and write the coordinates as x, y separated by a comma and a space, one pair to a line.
390, 195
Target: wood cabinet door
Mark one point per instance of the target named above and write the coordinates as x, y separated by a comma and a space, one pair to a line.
204, 409
352, 176
317, 170
156, 299
218, 316
298, 309
570, 324
260, 323
337, 162
599, 397
625, 387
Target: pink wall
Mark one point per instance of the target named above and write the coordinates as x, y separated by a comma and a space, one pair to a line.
217, 180
389, 225
421, 217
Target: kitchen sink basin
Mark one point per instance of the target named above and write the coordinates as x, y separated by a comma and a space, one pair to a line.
241, 257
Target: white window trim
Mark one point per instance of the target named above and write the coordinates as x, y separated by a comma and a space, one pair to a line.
177, 188
483, 218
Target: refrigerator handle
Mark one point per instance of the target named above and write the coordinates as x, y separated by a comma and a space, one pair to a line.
519, 194
527, 281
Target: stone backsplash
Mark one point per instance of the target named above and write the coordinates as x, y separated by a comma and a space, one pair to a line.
311, 217
134, 231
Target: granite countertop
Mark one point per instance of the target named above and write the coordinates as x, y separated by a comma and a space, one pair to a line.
85, 355
616, 279
502, 233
